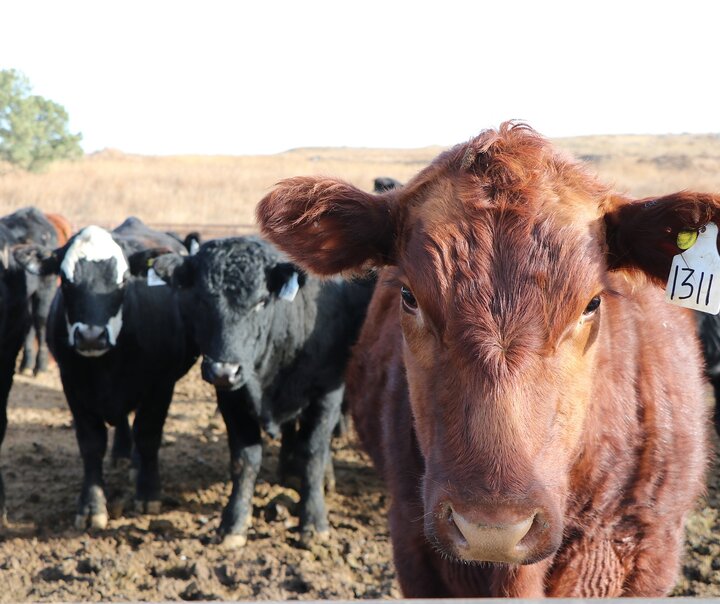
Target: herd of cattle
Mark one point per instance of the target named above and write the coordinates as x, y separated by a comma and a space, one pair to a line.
495, 326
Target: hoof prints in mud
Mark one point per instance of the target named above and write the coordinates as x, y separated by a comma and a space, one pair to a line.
176, 555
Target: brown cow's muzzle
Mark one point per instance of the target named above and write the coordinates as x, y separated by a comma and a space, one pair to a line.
511, 535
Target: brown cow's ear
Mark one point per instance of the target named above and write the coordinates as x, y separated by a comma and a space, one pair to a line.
642, 235
330, 226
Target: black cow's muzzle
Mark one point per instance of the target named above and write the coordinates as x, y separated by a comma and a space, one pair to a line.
91, 340
224, 376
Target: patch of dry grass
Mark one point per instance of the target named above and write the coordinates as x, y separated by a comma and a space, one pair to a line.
107, 187
652, 165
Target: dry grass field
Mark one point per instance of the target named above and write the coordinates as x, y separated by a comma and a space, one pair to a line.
175, 556
108, 186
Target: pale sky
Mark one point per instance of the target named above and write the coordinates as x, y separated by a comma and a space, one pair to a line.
263, 76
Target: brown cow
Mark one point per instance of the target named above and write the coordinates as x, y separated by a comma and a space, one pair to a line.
527, 395
62, 227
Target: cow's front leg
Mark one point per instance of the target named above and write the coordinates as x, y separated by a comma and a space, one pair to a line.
317, 423
40, 310
288, 472
147, 436
245, 442
122, 443
7, 370
91, 435
28, 355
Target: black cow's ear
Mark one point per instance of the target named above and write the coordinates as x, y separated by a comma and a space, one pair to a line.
192, 242
285, 279
174, 269
37, 260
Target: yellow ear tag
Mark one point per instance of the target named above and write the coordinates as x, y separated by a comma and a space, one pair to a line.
694, 280
686, 239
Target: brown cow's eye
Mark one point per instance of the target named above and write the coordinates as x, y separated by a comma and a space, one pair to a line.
408, 300
592, 307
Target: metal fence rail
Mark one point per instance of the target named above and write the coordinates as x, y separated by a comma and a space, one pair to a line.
207, 231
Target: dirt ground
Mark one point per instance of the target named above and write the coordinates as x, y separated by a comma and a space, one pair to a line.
174, 556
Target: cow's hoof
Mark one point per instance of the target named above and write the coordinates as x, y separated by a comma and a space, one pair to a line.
116, 508
310, 536
93, 521
148, 507
98, 521
233, 541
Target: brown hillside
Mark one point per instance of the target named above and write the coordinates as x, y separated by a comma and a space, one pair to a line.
186, 191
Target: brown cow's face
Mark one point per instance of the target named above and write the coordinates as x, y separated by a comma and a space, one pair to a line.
500, 250
499, 311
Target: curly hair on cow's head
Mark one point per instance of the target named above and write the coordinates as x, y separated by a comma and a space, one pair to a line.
236, 267
515, 164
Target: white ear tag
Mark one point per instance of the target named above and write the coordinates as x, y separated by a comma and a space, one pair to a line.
152, 278
290, 289
694, 280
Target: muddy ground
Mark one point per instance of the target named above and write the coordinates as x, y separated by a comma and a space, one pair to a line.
174, 556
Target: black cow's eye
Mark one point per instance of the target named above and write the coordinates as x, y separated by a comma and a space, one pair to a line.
408, 300
592, 306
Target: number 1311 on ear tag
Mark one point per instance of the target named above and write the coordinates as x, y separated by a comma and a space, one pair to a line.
694, 280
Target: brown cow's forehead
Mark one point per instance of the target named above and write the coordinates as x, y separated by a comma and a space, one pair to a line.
500, 263
510, 252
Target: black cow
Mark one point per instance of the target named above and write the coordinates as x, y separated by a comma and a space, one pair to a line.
385, 183
15, 289
120, 345
275, 343
709, 332
29, 225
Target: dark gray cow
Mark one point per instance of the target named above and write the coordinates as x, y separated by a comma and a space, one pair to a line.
385, 183
30, 225
120, 345
275, 343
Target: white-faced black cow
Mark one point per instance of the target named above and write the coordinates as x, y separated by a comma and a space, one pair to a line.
120, 345
29, 225
16, 287
275, 344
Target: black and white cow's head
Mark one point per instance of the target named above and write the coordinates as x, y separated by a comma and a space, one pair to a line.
229, 292
93, 274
